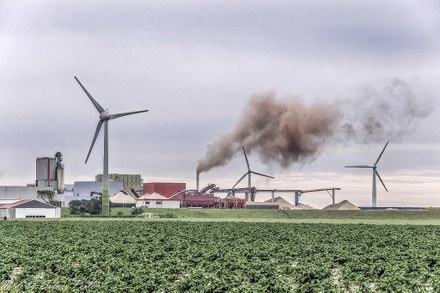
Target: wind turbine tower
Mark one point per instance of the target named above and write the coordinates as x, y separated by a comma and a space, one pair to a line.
250, 196
104, 117
375, 173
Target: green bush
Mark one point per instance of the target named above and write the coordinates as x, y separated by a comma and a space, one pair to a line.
167, 216
137, 211
82, 207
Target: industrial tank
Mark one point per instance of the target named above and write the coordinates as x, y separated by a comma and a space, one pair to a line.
46, 171
50, 172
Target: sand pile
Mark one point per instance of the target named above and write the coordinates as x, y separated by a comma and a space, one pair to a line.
303, 206
344, 205
285, 205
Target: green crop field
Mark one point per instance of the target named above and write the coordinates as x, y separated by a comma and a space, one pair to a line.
427, 217
203, 256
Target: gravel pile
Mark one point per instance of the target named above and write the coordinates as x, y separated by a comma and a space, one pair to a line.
285, 205
344, 205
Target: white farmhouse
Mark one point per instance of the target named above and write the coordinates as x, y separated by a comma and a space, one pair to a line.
28, 208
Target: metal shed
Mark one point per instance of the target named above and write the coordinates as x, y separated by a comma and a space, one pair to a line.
29, 208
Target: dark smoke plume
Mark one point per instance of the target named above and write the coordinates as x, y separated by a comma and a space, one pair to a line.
289, 131
385, 112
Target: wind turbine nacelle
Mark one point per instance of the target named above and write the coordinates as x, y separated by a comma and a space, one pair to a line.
104, 116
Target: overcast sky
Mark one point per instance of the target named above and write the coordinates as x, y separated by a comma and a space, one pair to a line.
195, 65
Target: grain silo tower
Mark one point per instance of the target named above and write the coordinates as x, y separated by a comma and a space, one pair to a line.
50, 172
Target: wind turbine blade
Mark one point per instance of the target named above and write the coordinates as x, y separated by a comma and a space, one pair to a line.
240, 179
261, 174
378, 176
97, 106
114, 116
377, 161
247, 161
98, 128
359, 166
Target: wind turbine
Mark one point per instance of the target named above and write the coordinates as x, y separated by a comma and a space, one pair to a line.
104, 117
248, 173
375, 173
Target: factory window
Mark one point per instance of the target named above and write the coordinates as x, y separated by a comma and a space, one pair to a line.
146, 202
159, 203
31, 216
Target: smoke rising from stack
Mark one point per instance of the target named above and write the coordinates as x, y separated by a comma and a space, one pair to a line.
386, 111
289, 131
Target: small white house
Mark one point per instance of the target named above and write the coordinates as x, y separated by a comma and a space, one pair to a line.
155, 200
29, 208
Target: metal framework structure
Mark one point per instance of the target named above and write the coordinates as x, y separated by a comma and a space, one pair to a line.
230, 198
298, 192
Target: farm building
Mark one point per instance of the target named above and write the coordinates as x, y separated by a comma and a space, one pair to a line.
28, 208
155, 200
122, 200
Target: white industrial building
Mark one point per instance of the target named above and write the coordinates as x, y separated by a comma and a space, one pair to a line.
90, 189
155, 200
27, 208
130, 181
24, 192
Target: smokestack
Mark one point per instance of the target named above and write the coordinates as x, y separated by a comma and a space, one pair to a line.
289, 131
197, 180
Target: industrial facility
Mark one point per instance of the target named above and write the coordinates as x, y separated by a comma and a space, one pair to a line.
130, 182
128, 190
89, 189
50, 172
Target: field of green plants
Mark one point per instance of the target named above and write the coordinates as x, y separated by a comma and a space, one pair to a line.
176, 256
431, 216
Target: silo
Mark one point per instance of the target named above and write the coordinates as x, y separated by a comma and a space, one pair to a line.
46, 171
60, 179
60, 172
